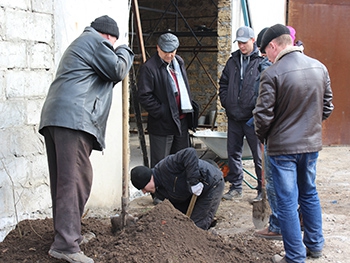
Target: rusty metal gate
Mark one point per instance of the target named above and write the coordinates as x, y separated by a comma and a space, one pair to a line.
323, 26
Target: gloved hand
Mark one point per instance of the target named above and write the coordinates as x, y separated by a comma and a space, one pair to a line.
197, 189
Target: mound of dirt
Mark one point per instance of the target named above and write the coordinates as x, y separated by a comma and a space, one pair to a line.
162, 235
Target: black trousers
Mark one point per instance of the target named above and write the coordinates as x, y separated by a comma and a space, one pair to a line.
68, 153
235, 139
206, 205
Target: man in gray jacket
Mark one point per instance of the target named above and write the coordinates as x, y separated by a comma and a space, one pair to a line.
73, 122
295, 96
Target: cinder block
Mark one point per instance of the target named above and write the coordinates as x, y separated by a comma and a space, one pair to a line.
33, 111
28, 26
13, 54
40, 56
27, 84
42, 6
19, 4
12, 114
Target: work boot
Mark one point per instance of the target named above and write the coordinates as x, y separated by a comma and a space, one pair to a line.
313, 254
279, 259
233, 194
266, 233
77, 257
86, 238
258, 197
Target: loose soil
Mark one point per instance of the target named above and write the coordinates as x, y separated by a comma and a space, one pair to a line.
162, 234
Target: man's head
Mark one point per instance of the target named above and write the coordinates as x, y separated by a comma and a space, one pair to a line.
274, 40
245, 38
106, 26
260, 36
141, 178
167, 46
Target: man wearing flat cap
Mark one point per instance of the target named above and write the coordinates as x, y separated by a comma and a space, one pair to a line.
164, 92
73, 122
295, 96
179, 176
238, 95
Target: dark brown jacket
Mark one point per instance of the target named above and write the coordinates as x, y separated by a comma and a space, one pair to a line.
295, 96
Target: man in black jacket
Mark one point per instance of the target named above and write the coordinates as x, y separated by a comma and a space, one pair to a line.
238, 96
177, 177
164, 92
73, 122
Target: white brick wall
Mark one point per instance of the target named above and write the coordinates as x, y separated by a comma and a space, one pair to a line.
20, 4
2, 86
12, 54
27, 84
28, 26
42, 6
33, 36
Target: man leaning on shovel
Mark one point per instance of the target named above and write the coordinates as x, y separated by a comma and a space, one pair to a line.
180, 176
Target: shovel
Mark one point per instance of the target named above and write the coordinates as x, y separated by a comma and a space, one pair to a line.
120, 221
191, 205
261, 209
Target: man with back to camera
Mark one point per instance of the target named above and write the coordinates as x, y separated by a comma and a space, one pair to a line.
295, 96
73, 122
164, 92
238, 96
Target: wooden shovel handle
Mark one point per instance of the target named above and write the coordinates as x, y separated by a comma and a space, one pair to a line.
191, 206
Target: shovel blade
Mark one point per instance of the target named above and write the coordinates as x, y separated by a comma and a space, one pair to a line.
261, 211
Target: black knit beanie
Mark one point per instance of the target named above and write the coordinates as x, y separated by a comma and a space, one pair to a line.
106, 25
140, 176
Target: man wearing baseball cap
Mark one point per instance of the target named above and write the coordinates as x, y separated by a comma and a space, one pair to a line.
295, 96
238, 95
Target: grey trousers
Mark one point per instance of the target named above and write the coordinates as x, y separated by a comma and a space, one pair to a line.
68, 153
163, 145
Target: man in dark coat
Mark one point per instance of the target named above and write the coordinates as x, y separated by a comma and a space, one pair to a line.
238, 96
164, 92
177, 177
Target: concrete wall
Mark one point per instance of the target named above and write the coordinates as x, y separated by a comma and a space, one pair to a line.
33, 36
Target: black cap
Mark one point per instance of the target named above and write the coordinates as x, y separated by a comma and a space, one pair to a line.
272, 33
140, 176
168, 42
260, 35
106, 25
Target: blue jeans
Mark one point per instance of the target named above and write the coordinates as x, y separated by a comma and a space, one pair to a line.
274, 225
294, 180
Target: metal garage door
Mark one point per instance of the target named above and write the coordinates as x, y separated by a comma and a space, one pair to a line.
324, 27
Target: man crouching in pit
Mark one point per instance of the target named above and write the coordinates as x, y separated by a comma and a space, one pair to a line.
179, 176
